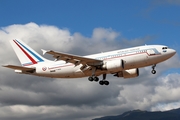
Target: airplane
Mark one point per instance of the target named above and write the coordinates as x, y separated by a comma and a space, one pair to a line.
121, 63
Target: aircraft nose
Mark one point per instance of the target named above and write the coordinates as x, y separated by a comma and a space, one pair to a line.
172, 52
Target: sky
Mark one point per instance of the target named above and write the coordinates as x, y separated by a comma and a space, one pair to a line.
84, 27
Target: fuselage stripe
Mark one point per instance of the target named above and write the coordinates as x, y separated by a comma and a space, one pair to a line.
66, 65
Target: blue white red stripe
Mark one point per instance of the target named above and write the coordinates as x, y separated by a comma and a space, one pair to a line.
24, 50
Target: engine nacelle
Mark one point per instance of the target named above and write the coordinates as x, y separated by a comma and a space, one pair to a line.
113, 65
131, 73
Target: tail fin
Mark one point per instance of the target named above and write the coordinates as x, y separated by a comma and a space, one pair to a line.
27, 56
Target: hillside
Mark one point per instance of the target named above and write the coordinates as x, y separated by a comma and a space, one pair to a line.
145, 115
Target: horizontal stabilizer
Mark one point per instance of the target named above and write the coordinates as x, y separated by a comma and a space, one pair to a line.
19, 68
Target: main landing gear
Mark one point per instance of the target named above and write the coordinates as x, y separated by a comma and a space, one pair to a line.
104, 81
93, 78
96, 79
153, 69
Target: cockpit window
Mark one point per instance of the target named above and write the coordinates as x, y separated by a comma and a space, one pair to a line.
165, 48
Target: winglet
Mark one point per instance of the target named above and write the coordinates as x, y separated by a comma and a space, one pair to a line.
44, 51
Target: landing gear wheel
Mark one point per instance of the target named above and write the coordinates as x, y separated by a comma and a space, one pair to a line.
90, 79
153, 71
101, 82
106, 82
96, 79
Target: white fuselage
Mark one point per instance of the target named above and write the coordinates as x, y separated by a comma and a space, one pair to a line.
133, 58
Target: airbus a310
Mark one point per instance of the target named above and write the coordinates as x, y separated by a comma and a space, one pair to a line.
121, 63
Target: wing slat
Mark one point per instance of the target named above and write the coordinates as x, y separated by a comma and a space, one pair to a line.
73, 58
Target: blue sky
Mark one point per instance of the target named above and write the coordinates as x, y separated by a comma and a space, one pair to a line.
80, 27
134, 19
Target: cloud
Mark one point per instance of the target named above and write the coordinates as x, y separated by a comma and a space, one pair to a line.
30, 97
104, 34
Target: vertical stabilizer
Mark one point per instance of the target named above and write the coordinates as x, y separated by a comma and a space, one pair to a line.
27, 56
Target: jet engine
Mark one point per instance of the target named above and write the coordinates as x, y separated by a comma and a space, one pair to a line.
114, 65
131, 73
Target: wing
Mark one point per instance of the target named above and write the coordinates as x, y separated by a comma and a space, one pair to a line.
75, 59
26, 69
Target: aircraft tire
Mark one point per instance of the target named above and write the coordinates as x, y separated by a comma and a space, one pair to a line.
96, 79
153, 71
101, 82
106, 82
90, 79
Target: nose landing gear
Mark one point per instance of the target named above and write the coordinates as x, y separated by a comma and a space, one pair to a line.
153, 69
